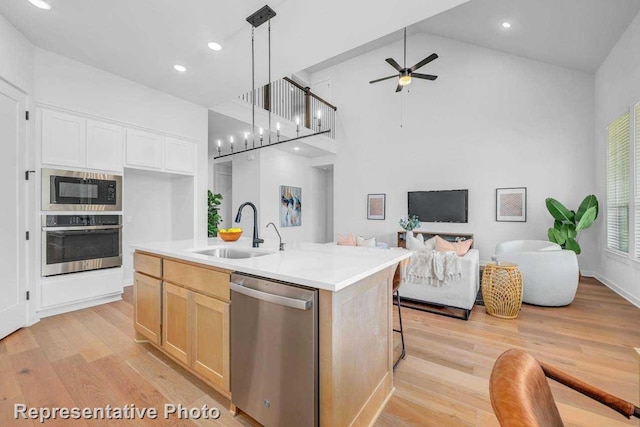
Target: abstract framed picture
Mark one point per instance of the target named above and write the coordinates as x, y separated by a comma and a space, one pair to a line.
290, 206
376, 206
511, 204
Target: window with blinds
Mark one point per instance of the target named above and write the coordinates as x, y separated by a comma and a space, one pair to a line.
618, 180
637, 170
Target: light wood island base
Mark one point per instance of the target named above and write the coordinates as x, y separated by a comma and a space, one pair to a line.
356, 351
176, 301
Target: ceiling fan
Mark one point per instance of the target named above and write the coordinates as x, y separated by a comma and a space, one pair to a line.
406, 74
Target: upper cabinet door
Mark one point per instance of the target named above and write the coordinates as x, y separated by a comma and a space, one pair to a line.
63, 139
179, 155
104, 146
144, 149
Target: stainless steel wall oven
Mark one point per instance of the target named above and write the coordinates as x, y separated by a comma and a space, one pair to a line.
72, 243
64, 190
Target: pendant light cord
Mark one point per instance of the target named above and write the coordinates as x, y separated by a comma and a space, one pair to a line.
269, 82
253, 87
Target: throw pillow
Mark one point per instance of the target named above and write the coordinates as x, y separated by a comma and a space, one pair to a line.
415, 243
430, 244
460, 248
347, 240
418, 244
369, 243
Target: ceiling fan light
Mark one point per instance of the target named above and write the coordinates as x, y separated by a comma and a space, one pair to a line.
404, 80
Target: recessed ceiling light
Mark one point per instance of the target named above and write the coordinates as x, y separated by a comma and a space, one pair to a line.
180, 68
506, 24
40, 4
214, 46
296, 148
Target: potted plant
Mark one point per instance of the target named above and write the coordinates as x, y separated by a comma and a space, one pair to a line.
568, 224
410, 223
213, 217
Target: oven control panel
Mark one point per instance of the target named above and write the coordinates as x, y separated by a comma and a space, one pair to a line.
80, 220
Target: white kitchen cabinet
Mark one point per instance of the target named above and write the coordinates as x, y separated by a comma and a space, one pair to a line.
63, 139
104, 146
144, 149
179, 156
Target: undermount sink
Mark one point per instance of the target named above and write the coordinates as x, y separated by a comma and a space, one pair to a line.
232, 253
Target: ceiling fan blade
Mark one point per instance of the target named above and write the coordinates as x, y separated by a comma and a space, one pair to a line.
399, 88
394, 64
423, 76
424, 62
384, 78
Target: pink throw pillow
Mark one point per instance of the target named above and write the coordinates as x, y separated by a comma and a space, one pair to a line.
460, 248
347, 240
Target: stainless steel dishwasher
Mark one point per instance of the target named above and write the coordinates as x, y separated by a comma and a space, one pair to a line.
274, 351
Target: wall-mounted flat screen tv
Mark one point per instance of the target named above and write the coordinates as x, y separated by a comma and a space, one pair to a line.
440, 206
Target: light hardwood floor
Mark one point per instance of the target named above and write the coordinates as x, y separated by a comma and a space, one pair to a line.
88, 359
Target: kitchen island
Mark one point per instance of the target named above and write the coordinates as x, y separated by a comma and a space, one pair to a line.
182, 290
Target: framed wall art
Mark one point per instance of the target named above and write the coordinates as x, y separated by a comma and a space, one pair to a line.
511, 204
376, 206
290, 206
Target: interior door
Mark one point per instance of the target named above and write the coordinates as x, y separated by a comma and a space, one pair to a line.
13, 306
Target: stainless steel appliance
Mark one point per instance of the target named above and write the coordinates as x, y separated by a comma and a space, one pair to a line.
72, 243
274, 346
64, 190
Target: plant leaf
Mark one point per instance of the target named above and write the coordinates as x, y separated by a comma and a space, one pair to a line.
569, 231
558, 211
564, 233
556, 236
557, 224
588, 202
587, 218
572, 245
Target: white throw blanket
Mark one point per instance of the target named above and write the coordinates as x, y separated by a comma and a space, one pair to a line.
433, 268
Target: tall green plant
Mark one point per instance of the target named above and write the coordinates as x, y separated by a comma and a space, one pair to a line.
568, 224
213, 217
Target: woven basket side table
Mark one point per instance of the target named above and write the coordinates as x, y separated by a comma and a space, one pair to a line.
502, 290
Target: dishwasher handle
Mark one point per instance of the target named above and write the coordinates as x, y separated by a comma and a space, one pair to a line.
276, 299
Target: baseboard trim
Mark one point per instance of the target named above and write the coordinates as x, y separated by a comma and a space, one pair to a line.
618, 290
79, 305
588, 273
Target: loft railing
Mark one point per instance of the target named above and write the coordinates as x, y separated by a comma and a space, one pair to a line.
293, 102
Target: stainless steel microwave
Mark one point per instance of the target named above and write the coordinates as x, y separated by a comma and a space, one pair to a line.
64, 190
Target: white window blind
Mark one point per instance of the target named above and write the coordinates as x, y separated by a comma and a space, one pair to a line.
618, 179
637, 170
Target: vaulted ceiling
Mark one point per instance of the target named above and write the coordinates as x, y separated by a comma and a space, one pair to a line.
141, 40
575, 34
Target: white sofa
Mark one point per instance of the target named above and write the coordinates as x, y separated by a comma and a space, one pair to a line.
460, 293
549, 273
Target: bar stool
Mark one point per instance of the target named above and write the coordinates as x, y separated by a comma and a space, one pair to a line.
395, 293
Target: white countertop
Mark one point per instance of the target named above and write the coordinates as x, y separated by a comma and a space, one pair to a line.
322, 266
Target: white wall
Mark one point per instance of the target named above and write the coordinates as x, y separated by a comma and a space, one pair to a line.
147, 213
281, 168
245, 187
329, 233
616, 90
257, 178
157, 207
16, 66
491, 120
62, 82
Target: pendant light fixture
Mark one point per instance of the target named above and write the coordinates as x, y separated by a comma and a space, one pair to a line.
259, 17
